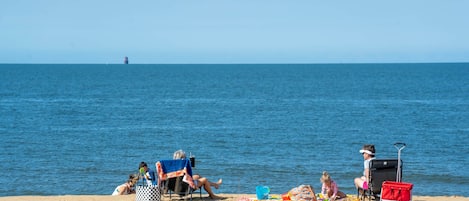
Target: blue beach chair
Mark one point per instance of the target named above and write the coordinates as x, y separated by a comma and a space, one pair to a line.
175, 176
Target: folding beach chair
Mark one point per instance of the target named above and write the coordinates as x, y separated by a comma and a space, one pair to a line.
175, 177
177, 186
381, 170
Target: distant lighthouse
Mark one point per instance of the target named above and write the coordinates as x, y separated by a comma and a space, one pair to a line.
126, 60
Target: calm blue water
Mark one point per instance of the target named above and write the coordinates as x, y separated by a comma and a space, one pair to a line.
81, 129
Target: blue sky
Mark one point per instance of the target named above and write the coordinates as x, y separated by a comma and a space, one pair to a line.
233, 31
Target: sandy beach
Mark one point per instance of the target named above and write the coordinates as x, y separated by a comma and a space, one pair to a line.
227, 197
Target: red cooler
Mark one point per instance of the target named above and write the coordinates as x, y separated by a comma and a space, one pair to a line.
396, 191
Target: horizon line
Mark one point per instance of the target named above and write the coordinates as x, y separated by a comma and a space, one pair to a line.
295, 63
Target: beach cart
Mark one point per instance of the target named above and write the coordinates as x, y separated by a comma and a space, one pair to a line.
397, 190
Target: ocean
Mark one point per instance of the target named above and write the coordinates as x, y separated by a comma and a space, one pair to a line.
82, 129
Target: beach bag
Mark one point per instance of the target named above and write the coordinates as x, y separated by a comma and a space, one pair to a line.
262, 192
302, 193
396, 191
148, 193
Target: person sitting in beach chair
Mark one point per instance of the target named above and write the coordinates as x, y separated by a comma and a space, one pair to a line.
175, 177
200, 181
361, 183
368, 152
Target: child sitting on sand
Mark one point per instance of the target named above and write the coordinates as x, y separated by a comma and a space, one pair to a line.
330, 189
127, 187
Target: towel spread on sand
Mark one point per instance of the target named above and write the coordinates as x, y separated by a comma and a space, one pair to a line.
175, 168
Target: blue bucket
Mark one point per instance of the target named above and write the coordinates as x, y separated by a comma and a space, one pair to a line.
262, 192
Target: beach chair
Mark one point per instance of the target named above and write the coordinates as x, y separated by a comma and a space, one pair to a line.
177, 186
175, 177
380, 170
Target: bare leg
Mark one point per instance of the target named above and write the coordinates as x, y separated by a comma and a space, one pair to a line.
206, 184
341, 194
216, 185
359, 182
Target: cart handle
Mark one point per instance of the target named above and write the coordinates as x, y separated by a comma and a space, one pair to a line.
399, 145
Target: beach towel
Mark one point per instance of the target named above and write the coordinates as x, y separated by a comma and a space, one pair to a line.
175, 168
303, 193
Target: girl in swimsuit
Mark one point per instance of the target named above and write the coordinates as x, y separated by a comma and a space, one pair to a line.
127, 187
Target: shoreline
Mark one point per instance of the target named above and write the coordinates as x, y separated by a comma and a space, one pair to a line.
227, 197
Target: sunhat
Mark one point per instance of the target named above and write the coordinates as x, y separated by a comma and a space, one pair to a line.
366, 151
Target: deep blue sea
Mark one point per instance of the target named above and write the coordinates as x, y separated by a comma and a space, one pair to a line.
82, 129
